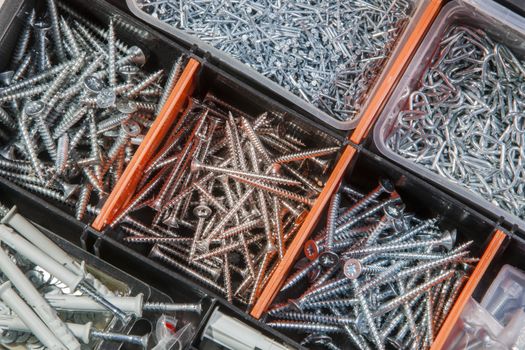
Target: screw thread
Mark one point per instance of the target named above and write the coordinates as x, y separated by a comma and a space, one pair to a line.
73, 116
146, 82
298, 156
72, 43
333, 211
176, 71
305, 327
24, 39
27, 93
166, 307
112, 74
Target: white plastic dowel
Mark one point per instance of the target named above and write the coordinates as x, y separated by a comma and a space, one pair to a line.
24, 312
81, 331
38, 257
35, 236
132, 305
37, 301
234, 334
32, 234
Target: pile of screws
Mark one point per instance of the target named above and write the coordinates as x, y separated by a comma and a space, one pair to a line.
375, 274
466, 121
326, 52
227, 193
58, 304
75, 107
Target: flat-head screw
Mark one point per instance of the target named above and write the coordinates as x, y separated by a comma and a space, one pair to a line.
112, 74
41, 28
333, 210
57, 37
352, 268
135, 55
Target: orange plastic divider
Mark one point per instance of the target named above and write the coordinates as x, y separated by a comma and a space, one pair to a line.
127, 183
397, 67
469, 288
296, 246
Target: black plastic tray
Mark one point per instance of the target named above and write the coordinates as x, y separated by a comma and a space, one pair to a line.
420, 198
67, 234
161, 51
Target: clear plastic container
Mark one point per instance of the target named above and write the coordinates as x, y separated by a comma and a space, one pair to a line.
503, 26
474, 322
506, 294
300, 104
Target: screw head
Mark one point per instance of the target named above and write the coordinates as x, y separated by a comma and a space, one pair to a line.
41, 26
314, 274
93, 84
328, 259
5, 77
396, 344
311, 250
296, 305
34, 108
8, 152
131, 128
69, 189
302, 216
352, 269
202, 211
393, 212
128, 70
195, 165
106, 98
449, 239
386, 185
126, 107
318, 339
137, 55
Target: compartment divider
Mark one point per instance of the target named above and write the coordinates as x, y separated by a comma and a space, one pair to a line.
277, 279
125, 187
482, 266
394, 71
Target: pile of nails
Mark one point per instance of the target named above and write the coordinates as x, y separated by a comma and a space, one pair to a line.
75, 106
48, 299
228, 193
376, 274
326, 52
466, 120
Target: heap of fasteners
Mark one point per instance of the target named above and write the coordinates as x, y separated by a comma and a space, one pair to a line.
74, 107
375, 274
467, 119
228, 192
326, 52
48, 299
